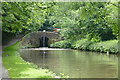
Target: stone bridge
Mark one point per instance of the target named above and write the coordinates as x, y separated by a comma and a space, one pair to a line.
40, 39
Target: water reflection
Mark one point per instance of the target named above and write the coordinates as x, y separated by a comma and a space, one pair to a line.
73, 63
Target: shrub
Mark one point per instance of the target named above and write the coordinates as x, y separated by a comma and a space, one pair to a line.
105, 46
82, 44
61, 44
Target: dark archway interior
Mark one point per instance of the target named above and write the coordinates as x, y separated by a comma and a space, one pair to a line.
44, 41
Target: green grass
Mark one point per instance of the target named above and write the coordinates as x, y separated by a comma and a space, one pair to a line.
18, 68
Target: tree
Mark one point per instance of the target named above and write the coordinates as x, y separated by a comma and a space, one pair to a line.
23, 17
92, 20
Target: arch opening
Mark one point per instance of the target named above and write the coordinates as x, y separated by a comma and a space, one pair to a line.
44, 41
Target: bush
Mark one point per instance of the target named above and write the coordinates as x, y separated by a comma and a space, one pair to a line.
82, 44
61, 44
105, 46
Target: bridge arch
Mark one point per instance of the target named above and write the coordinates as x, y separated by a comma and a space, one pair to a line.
40, 39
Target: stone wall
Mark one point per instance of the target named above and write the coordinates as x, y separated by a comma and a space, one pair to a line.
33, 39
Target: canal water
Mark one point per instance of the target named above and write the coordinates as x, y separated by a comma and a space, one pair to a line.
73, 63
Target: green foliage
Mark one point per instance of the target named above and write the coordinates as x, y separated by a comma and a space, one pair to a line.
95, 21
85, 24
77, 19
47, 26
106, 46
86, 20
82, 44
61, 44
85, 44
23, 17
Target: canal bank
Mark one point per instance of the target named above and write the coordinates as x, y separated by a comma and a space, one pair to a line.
18, 68
110, 46
4, 71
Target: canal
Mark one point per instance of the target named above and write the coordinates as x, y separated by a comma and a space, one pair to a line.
73, 63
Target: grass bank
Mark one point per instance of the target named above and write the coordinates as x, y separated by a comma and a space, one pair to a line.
18, 68
110, 46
